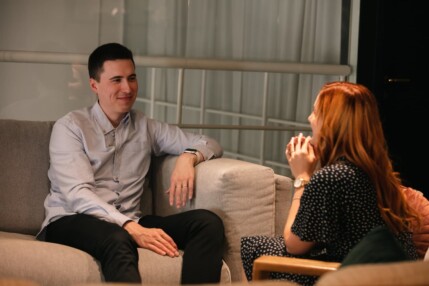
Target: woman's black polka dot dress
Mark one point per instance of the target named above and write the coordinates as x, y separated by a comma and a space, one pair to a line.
338, 207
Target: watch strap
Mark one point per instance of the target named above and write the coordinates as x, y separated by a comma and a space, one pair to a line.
300, 182
195, 152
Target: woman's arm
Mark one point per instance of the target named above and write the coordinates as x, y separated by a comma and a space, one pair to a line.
302, 160
294, 245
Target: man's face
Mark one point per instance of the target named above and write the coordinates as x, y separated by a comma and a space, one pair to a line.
117, 88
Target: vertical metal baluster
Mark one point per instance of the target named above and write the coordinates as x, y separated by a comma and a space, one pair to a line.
179, 96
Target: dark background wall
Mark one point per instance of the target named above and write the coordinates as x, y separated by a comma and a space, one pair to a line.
393, 63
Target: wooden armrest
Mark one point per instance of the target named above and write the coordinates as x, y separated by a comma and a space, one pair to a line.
263, 265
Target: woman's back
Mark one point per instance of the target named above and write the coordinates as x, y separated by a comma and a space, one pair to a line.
338, 208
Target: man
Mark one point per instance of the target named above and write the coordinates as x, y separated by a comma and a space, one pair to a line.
99, 158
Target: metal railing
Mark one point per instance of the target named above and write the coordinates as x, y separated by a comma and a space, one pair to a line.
182, 64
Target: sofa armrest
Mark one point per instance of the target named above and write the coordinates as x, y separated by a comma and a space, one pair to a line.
243, 194
284, 194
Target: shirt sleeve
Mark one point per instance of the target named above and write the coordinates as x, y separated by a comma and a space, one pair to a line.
170, 139
317, 219
74, 188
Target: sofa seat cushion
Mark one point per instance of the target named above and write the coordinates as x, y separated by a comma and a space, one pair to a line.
165, 270
27, 258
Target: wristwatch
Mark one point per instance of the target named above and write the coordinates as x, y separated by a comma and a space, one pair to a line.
191, 151
299, 182
195, 152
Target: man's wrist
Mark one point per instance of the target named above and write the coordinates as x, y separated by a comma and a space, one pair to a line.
125, 223
199, 156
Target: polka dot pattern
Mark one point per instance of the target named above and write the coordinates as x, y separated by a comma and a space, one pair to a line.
338, 207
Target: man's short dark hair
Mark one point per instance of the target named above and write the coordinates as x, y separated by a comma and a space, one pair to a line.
106, 52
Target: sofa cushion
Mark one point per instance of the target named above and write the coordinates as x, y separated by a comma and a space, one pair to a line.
167, 270
45, 263
421, 233
28, 258
24, 179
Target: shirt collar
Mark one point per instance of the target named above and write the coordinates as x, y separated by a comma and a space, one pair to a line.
103, 121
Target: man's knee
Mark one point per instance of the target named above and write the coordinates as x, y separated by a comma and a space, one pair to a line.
213, 224
118, 255
119, 241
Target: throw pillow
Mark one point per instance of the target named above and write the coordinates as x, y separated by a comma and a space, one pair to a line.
378, 246
426, 257
420, 234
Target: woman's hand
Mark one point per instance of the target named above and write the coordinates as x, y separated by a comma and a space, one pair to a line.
301, 156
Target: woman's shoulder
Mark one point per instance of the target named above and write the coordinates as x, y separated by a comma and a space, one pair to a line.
341, 167
342, 171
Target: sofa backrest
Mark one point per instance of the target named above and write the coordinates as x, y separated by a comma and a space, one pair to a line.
24, 183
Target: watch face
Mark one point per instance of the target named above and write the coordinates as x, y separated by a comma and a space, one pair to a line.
297, 183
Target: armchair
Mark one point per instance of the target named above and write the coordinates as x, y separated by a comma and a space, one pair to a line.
376, 247
379, 245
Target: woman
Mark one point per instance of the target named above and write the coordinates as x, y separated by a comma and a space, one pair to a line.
345, 185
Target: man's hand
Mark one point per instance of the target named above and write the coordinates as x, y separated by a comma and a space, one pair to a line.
182, 180
154, 239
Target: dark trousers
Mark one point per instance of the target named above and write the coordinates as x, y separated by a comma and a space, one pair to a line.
200, 233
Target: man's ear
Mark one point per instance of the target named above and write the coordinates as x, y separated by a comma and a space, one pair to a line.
94, 85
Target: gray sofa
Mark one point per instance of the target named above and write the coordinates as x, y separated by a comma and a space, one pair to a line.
250, 199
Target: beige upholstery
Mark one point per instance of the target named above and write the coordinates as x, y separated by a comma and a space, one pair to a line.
388, 274
421, 231
243, 194
398, 273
